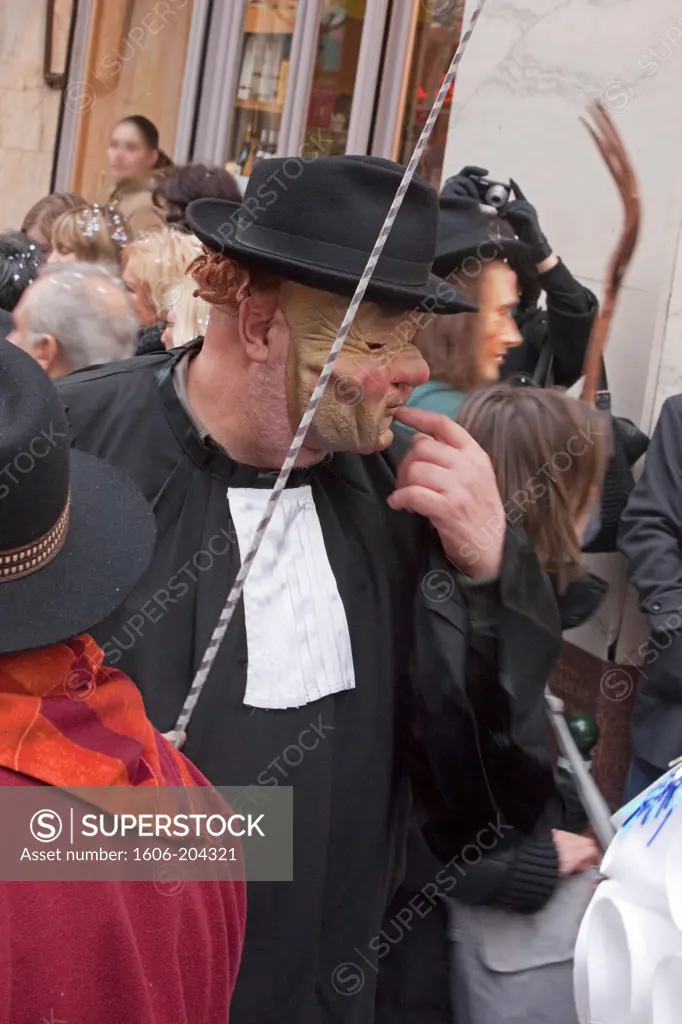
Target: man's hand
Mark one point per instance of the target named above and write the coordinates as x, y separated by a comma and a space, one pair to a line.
523, 217
448, 478
575, 853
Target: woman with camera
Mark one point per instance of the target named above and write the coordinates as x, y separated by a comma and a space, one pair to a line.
554, 339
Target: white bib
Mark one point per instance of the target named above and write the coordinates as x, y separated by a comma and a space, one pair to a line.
297, 638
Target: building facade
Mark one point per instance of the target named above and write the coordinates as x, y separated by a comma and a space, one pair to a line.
228, 81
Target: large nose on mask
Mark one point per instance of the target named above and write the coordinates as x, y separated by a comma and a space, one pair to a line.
410, 368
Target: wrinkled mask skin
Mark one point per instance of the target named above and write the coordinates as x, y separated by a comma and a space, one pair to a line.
374, 374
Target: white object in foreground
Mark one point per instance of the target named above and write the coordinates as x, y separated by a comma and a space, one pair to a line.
628, 958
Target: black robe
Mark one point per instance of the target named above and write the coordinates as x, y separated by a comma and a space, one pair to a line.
351, 788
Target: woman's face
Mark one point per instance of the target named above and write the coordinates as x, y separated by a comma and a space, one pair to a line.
129, 155
60, 254
144, 311
498, 331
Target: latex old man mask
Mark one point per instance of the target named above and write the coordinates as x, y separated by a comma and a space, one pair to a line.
373, 376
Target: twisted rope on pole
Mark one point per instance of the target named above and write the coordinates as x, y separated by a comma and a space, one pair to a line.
235, 594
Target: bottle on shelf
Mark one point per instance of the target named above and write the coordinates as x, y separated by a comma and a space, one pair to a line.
262, 150
251, 158
247, 70
244, 155
282, 83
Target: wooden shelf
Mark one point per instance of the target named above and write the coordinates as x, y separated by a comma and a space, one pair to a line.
269, 107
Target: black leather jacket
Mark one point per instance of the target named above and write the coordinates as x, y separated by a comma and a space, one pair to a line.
509, 779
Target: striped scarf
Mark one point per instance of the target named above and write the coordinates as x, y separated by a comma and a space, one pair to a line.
66, 720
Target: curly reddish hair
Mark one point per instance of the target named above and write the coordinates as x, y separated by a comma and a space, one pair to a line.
223, 282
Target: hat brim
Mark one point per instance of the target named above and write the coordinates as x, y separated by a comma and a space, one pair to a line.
213, 221
109, 544
482, 249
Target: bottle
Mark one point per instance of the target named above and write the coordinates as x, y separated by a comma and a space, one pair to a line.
247, 70
244, 155
282, 84
250, 160
585, 732
262, 148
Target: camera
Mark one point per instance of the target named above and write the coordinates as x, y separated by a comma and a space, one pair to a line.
492, 193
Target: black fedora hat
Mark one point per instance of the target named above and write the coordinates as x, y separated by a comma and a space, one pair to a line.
465, 231
315, 221
75, 534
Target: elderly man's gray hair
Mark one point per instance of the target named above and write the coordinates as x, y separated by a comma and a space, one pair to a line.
86, 308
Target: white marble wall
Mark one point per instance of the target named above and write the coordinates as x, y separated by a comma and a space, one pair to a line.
531, 69
28, 110
668, 380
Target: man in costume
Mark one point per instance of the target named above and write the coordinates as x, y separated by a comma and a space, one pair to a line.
75, 537
344, 666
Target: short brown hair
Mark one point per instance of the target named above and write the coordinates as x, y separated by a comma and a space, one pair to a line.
47, 210
451, 344
549, 453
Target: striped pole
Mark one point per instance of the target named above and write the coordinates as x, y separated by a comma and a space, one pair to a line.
289, 462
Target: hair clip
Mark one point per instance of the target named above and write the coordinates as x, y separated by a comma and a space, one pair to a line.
89, 222
119, 233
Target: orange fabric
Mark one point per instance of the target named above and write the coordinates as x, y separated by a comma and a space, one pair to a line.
69, 721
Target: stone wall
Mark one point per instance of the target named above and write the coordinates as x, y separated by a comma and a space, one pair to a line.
29, 109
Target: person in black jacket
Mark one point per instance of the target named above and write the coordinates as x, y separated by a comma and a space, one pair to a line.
650, 537
554, 338
516, 828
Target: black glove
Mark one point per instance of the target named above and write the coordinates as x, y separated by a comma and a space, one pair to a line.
463, 185
523, 218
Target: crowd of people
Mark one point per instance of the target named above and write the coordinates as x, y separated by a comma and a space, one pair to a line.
407, 601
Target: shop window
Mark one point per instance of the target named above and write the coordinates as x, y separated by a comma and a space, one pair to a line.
136, 58
336, 65
436, 39
262, 82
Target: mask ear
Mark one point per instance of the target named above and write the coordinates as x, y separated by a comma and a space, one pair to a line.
256, 314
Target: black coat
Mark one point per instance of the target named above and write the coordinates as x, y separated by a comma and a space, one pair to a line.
565, 327
651, 538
